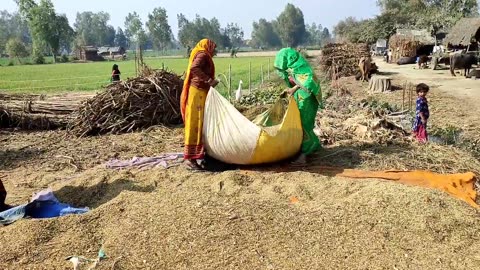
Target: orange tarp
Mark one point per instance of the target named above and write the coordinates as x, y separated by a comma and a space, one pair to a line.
458, 185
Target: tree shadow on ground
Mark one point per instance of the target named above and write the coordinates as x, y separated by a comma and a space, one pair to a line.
11, 159
101, 193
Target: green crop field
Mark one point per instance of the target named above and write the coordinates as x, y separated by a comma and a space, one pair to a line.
74, 77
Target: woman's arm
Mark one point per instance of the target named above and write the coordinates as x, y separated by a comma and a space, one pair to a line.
198, 64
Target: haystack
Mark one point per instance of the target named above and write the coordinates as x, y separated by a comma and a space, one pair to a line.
462, 34
341, 59
149, 100
406, 43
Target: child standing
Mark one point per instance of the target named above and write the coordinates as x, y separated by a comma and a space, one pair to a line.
115, 73
422, 114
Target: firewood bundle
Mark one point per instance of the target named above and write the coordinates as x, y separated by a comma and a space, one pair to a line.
141, 102
38, 111
341, 59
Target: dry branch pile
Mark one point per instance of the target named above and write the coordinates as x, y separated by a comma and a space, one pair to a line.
38, 111
341, 59
152, 99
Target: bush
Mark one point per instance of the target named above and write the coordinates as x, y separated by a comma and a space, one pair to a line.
64, 59
11, 63
39, 59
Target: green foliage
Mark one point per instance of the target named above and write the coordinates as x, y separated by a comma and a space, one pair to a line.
12, 25
235, 34
159, 29
264, 35
134, 29
433, 15
64, 59
39, 59
120, 38
46, 27
16, 49
93, 29
290, 26
317, 35
190, 32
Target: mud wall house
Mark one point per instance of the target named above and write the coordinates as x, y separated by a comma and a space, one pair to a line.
87, 53
464, 35
111, 51
410, 43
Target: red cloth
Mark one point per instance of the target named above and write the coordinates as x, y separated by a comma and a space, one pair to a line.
421, 135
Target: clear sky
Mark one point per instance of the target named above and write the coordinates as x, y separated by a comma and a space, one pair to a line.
243, 12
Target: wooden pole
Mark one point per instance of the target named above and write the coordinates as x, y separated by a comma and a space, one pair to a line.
261, 71
403, 98
163, 65
268, 71
230, 82
250, 78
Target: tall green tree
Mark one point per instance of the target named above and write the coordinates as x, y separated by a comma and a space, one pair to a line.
120, 38
190, 32
16, 49
47, 27
235, 34
159, 29
264, 35
93, 29
290, 26
134, 28
12, 25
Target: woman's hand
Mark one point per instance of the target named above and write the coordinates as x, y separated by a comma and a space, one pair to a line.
213, 82
291, 91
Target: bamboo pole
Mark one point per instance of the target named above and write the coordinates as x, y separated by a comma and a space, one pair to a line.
230, 82
250, 78
403, 97
268, 71
261, 71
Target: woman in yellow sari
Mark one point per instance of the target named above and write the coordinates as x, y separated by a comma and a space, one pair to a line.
198, 80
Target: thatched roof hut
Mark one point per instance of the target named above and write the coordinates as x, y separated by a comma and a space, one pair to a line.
462, 34
410, 43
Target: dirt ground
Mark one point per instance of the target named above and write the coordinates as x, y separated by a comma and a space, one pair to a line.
457, 87
273, 217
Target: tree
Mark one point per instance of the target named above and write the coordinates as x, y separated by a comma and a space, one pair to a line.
264, 35
190, 32
159, 29
93, 29
16, 49
235, 34
290, 26
133, 26
120, 38
46, 26
314, 34
12, 25
326, 36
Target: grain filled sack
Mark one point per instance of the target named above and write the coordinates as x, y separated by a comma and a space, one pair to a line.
231, 138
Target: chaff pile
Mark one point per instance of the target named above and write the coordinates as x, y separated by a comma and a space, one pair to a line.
341, 59
38, 111
152, 99
403, 46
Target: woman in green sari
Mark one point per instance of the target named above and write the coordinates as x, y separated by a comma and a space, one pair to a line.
305, 88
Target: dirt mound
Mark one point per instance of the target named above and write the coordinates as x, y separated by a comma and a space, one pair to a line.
237, 220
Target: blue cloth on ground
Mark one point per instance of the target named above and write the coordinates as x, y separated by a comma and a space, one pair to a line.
44, 206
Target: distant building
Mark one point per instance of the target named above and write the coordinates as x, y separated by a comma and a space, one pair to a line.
111, 52
87, 53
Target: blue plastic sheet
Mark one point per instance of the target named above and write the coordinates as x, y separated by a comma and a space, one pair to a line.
45, 206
